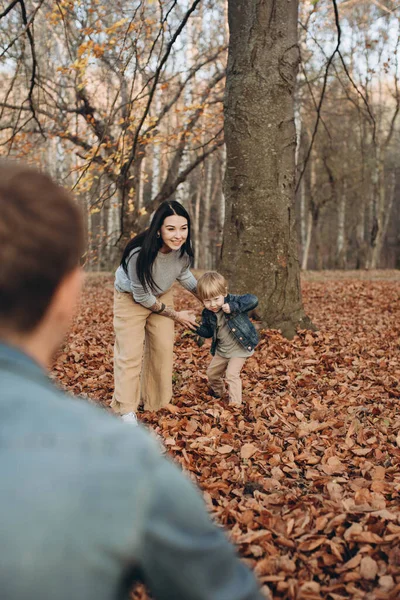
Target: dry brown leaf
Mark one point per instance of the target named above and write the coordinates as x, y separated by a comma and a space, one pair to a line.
224, 449
248, 450
386, 582
335, 491
350, 564
310, 591
368, 568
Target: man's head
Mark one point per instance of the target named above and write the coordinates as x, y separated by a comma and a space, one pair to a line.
211, 289
41, 242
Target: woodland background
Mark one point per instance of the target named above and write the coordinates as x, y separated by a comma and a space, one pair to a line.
123, 103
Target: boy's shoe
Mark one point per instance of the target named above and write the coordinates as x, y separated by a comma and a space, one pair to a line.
213, 394
130, 418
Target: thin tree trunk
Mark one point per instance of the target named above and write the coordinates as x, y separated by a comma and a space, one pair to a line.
156, 164
183, 189
374, 224
308, 189
303, 218
140, 191
360, 235
196, 227
101, 238
318, 245
220, 208
306, 250
89, 256
341, 232
382, 218
205, 222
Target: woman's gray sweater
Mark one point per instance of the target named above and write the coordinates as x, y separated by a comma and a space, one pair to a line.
167, 268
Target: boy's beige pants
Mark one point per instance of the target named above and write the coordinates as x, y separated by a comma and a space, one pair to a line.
143, 355
231, 367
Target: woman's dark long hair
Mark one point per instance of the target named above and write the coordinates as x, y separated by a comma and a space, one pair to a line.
150, 244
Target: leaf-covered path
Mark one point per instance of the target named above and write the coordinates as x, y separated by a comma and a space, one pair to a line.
306, 477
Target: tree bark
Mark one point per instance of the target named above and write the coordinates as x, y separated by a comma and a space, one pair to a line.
259, 252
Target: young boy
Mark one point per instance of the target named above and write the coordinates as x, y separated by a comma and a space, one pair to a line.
234, 337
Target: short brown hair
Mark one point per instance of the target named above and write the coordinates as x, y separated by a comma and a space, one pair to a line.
210, 285
41, 241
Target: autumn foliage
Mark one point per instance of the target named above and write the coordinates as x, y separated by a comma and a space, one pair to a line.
305, 477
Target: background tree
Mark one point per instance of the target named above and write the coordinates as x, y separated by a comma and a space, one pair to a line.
111, 89
123, 104
349, 215
260, 242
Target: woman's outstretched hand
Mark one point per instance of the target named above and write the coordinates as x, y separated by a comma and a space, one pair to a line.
187, 318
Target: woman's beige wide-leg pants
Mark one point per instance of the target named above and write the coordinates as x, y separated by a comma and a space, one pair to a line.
143, 355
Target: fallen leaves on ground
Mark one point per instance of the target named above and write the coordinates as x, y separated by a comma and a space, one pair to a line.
305, 476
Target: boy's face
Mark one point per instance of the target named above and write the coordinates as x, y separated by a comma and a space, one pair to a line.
214, 304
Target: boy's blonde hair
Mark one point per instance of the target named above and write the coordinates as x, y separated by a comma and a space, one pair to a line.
210, 285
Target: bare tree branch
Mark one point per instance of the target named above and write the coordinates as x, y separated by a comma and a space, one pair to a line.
29, 23
321, 99
126, 166
319, 107
28, 30
169, 188
9, 8
396, 97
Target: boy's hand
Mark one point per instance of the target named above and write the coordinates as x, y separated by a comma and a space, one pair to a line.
226, 308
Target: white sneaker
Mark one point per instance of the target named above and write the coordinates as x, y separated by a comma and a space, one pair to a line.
130, 418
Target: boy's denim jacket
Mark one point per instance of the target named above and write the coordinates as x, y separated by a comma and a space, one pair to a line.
239, 323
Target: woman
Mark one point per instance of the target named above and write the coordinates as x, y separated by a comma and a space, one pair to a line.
144, 314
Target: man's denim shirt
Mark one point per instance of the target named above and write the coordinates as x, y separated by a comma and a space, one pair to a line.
238, 322
88, 505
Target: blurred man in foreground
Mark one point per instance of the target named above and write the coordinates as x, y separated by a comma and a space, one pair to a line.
87, 505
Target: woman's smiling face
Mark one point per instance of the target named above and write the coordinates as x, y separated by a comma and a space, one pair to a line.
174, 232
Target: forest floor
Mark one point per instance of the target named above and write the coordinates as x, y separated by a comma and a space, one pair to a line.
306, 475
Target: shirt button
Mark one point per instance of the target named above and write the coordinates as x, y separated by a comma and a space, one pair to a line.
240, 338
233, 329
249, 347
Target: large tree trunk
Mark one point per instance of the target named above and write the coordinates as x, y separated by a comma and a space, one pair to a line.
259, 252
